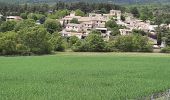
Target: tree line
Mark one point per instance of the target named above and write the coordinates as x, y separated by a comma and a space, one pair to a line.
27, 38
16, 9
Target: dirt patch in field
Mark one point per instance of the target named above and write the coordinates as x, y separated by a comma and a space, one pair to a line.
158, 96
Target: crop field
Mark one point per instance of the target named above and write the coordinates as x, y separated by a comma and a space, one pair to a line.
84, 76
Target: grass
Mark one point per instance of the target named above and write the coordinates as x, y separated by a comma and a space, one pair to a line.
84, 76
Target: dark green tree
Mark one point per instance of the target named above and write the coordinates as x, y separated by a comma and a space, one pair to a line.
52, 25
135, 12
57, 42
75, 21
7, 26
36, 39
78, 12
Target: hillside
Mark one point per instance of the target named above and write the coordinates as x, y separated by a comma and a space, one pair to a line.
111, 1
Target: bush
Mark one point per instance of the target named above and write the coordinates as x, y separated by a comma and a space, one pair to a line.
75, 21
165, 50
57, 42
73, 40
133, 43
52, 25
92, 43
8, 42
7, 26
24, 24
36, 39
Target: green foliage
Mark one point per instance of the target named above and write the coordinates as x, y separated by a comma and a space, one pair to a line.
167, 38
165, 50
25, 24
52, 25
113, 27
103, 10
73, 40
95, 32
23, 15
95, 43
159, 36
75, 21
8, 43
36, 39
146, 14
114, 31
7, 26
57, 42
132, 43
78, 12
139, 32
58, 14
92, 43
32, 16
123, 18
135, 12
163, 18
35, 16
111, 24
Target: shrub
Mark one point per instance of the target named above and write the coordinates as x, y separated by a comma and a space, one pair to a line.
165, 50
7, 26
57, 42
133, 43
8, 42
52, 25
36, 39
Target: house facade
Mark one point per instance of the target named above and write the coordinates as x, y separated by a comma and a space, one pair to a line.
11, 18
88, 23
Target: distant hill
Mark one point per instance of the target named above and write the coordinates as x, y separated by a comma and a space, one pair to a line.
96, 1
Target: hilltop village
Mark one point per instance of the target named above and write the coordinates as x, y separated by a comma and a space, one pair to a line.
95, 21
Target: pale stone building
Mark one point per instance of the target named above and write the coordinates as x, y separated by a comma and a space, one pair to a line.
92, 21
16, 18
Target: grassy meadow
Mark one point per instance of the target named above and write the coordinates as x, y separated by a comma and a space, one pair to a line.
84, 76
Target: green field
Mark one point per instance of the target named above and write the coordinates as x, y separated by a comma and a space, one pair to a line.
86, 76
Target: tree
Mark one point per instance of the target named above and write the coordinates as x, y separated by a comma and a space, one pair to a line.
75, 21
114, 31
23, 15
146, 14
123, 18
95, 43
111, 24
58, 14
96, 32
103, 10
138, 32
78, 12
32, 16
135, 12
159, 36
24, 24
52, 25
8, 42
92, 43
167, 38
36, 39
113, 27
57, 42
132, 43
7, 26
73, 40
